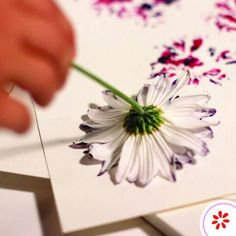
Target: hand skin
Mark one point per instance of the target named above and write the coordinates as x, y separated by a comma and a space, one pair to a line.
36, 48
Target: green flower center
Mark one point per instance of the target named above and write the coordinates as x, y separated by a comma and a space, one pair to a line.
146, 123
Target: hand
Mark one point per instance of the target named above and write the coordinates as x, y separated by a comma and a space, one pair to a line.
36, 48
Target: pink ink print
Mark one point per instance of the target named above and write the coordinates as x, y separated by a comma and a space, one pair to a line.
144, 10
202, 60
225, 18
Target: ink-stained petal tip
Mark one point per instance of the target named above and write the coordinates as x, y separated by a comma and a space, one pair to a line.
79, 145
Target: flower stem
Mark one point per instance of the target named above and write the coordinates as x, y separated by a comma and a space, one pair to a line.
115, 91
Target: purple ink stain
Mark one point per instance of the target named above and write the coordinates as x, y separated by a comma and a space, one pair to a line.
144, 10
193, 56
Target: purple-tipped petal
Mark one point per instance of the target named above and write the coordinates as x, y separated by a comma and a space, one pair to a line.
178, 165
86, 128
79, 145
210, 132
101, 172
208, 112
174, 179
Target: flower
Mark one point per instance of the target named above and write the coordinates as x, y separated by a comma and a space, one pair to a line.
220, 220
166, 135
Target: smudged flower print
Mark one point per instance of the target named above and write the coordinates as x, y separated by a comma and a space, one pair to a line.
141, 9
203, 60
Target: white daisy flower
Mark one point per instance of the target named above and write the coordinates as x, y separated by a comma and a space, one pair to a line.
155, 142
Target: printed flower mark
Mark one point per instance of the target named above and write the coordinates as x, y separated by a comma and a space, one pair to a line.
144, 10
220, 220
203, 61
225, 17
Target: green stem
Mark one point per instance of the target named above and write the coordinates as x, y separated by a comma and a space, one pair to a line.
115, 91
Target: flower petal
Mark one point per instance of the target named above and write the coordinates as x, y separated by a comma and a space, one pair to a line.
115, 102
152, 164
144, 162
128, 155
156, 89
133, 174
164, 157
183, 138
205, 132
160, 93
108, 117
153, 92
182, 154
200, 99
190, 123
134, 170
102, 135
142, 95
190, 117
220, 214
177, 85
92, 126
190, 110
104, 151
225, 215
150, 95
110, 162
186, 158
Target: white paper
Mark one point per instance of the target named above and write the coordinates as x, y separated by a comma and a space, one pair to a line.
33, 197
121, 52
22, 154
